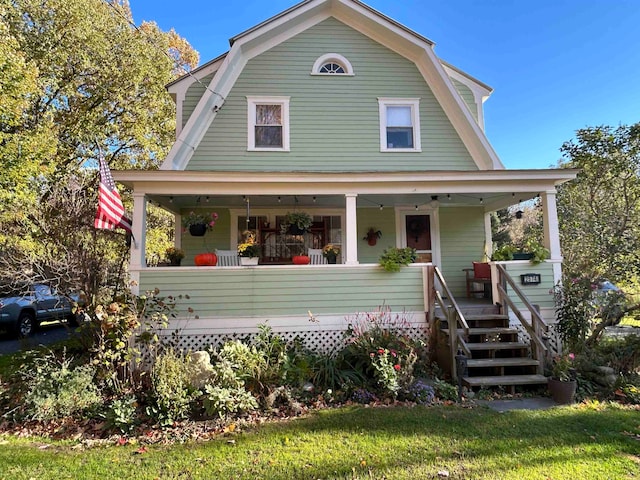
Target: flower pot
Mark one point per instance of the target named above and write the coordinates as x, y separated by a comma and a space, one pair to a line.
198, 229
295, 230
562, 392
301, 260
175, 263
522, 256
249, 260
331, 259
206, 260
372, 241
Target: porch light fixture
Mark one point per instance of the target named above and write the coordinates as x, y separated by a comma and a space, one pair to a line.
416, 207
170, 199
314, 199
434, 201
381, 206
206, 199
448, 196
481, 200
279, 199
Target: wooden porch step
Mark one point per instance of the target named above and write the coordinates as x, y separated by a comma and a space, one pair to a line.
485, 331
501, 362
497, 346
485, 317
505, 380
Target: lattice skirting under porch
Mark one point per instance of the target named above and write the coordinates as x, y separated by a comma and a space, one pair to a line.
321, 341
554, 342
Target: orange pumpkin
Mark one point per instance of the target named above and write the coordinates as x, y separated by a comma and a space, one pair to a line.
206, 259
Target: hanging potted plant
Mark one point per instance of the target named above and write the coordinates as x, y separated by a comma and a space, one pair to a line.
372, 236
199, 223
296, 223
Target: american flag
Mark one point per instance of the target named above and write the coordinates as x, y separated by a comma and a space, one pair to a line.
110, 212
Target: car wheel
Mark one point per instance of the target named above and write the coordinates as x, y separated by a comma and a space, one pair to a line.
26, 324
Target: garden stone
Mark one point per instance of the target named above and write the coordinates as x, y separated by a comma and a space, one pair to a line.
201, 369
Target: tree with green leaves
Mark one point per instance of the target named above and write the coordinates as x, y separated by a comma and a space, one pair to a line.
599, 212
76, 76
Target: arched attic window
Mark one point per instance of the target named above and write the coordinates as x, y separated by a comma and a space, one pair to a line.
332, 64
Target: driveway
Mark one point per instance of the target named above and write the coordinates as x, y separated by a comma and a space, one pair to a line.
46, 334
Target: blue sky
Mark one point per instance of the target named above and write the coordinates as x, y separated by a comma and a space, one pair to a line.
555, 65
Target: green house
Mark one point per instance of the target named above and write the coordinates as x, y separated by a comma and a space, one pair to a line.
332, 109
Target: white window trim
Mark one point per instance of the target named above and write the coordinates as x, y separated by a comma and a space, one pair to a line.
252, 101
414, 103
335, 58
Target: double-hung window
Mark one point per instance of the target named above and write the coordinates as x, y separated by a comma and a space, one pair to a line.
268, 123
399, 124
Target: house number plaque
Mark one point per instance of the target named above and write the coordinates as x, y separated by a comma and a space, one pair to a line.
530, 279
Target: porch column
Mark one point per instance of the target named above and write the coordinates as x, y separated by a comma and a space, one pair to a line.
552, 232
139, 229
351, 245
177, 238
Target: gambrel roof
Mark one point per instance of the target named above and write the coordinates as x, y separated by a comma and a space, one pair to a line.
362, 18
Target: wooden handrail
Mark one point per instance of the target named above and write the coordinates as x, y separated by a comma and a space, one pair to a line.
452, 300
537, 326
454, 316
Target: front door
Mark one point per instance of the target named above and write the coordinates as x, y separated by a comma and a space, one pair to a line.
418, 230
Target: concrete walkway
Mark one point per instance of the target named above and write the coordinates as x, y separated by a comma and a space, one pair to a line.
533, 403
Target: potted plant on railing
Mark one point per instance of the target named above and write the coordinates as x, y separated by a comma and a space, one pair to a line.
532, 250
372, 236
174, 255
393, 258
562, 384
249, 250
199, 223
331, 252
296, 223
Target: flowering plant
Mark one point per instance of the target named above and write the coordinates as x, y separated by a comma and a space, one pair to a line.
174, 254
562, 368
248, 249
195, 218
330, 250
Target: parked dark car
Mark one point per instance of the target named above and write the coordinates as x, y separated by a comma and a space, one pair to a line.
23, 309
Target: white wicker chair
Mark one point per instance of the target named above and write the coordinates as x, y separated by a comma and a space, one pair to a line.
228, 258
316, 258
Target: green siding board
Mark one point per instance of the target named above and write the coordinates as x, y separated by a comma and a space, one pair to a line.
333, 120
264, 291
467, 95
537, 294
461, 243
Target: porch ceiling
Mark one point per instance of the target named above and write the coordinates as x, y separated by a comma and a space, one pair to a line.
175, 203
494, 189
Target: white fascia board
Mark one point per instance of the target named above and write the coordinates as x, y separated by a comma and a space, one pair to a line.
262, 183
205, 111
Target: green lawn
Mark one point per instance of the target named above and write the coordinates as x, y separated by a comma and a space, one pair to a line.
578, 442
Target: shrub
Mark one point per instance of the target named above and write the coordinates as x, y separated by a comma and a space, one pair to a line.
363, 396
419, 392
172, 393
379, 350
56, 390
445, 391
223, 401
226, 393
122, 414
